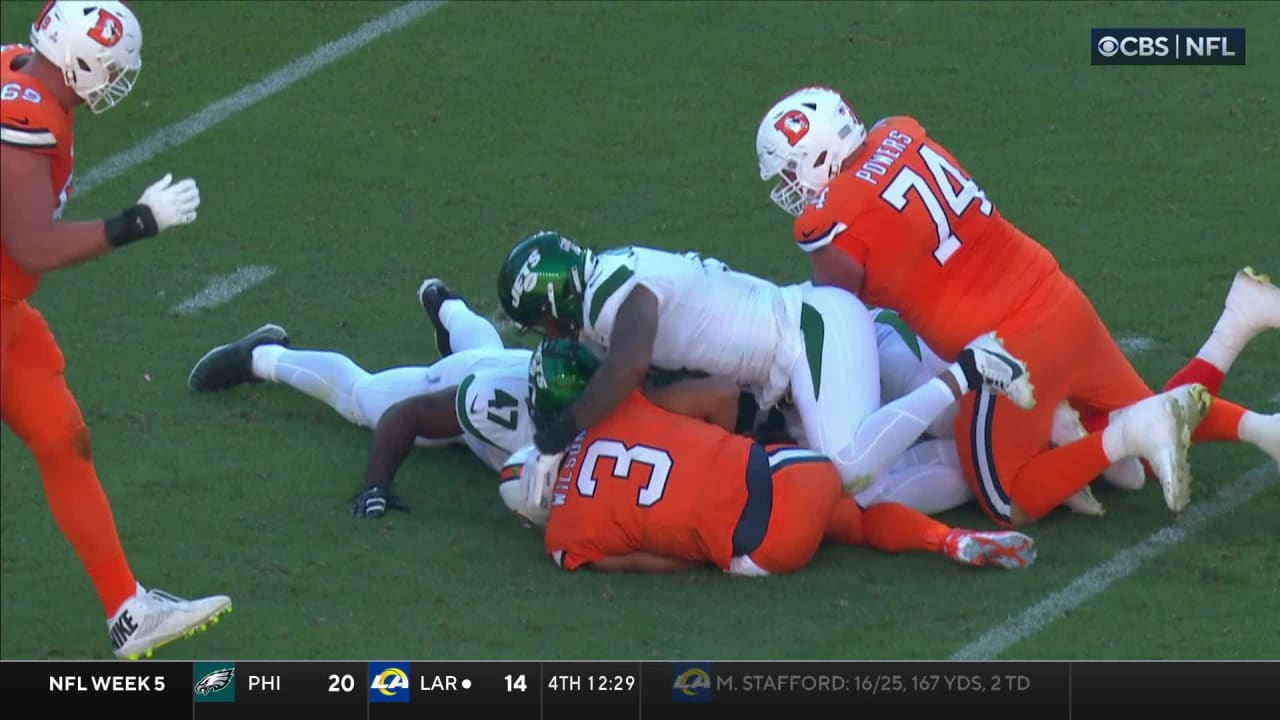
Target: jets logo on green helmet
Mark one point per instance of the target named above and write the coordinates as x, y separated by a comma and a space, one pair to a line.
559, 370
544, 275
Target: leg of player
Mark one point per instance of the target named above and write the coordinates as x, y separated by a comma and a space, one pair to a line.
40, 409
1016, 477
1251, 308
894, 528
926, 478
458, 327
836, 385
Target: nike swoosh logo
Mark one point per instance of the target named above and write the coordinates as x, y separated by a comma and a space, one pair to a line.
22, 121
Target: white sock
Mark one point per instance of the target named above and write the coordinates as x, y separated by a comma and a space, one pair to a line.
1224, 344
467, 330
326, 376
1262, 431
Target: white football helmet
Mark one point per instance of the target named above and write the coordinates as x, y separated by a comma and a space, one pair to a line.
803, 139
98, 45
526, 484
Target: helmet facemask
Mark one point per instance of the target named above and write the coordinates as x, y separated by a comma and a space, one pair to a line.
100, 95
804, 140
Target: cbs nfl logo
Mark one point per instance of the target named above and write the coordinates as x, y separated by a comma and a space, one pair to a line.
1167, 46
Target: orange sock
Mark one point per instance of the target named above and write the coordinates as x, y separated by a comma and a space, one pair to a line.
1221, 424
83, 514
1198, 371
1051, 477
887, 527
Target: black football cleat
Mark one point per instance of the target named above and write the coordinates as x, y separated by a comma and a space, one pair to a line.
232, 364
431, 295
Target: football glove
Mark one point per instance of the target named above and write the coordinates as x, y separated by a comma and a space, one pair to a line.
374, 502
553, 435
171, 204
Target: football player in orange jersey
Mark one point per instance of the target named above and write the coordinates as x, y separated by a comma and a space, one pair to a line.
892, 217
81, 53
650, 490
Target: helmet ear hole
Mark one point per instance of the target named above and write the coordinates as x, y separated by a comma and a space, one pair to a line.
84, 66
822, 158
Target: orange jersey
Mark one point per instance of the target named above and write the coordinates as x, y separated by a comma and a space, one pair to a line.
31, 120
932, 245
645, 479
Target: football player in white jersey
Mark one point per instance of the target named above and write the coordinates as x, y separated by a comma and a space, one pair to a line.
815, 346
475, 394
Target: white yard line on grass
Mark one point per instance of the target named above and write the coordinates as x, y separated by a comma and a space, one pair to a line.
184, 131
223, 288
1084, 588
1134, 344
1275, 400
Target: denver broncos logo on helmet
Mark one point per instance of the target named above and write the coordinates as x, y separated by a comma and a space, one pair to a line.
794, 124
108, 30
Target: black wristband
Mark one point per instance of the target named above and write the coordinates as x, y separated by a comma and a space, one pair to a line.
134, 223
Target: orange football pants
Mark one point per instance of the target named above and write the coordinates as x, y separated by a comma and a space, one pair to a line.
1004, 450
805, 492
37, 405
809, 508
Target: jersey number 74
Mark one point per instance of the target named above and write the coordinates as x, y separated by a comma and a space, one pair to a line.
958, 201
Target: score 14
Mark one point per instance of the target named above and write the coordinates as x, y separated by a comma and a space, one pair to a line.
516, 683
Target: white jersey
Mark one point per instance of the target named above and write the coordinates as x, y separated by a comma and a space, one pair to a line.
711, 318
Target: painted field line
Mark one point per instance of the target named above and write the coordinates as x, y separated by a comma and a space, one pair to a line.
1275, 400
223, 288
1134, 344
1085, 587
182, 132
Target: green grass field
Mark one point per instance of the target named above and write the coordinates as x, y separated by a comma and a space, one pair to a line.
437, 146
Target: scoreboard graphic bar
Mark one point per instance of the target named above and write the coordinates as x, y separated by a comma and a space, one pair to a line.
385, 690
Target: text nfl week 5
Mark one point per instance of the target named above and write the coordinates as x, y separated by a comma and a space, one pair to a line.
107, 683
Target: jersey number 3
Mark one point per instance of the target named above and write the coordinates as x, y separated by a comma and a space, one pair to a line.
943, 174
624, 459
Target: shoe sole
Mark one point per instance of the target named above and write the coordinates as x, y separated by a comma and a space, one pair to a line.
190, 632
284, 340
1174, 461
1011, 550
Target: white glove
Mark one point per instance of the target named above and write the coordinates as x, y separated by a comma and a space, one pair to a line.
171, 205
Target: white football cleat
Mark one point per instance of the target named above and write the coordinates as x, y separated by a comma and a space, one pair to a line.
1126, 474
151, 619
1159, 429
986, 362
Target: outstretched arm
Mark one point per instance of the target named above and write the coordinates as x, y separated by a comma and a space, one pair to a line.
431, 416
630, 352
643, 562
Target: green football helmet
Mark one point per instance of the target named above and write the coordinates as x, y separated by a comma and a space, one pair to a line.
558, 372
545, 275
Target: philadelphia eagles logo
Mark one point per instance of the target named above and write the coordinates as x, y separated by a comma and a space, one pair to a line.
215, 681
